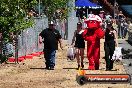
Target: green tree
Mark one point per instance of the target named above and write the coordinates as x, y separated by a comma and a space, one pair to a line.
13, 17
56, 9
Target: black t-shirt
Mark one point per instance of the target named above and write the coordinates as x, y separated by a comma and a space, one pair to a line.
109, 36
51, 38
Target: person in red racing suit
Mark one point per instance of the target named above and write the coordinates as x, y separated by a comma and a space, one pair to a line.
92, 35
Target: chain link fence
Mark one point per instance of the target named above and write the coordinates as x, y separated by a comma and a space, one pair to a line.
28, 41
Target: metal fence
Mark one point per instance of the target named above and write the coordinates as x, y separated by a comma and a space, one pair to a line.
28, 41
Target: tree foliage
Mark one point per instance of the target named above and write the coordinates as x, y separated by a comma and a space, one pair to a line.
12, 16
13, 20
13, 13
55, 8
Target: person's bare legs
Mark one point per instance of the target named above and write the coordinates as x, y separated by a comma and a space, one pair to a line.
77, 57
82, 56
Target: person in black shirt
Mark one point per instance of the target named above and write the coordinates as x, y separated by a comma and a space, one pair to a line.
109, 45
51, 38
79, 44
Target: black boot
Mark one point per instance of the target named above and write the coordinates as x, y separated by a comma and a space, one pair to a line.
82, 65
78, 66
47, 67
51, 68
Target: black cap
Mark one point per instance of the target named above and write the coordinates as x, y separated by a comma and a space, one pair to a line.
109, 23
79, 23
51, 22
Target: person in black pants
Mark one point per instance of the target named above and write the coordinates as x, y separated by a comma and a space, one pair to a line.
79, 44
109, 45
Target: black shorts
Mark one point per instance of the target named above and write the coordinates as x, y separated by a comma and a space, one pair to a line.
80, 45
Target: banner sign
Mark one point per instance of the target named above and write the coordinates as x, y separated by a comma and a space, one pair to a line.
103, 78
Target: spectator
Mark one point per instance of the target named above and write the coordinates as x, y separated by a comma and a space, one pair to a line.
129, 28
51, 38
109, 45
79, 44
101, 15
90, 14
108, 17
120, 15
125, 29
121, 19
129, 25
114, 25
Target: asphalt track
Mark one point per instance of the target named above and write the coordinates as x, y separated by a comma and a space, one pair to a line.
127, 62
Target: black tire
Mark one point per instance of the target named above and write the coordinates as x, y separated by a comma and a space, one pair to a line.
81, 80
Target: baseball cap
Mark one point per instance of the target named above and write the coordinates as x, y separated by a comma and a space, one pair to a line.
51, 23
109, 24
79, 23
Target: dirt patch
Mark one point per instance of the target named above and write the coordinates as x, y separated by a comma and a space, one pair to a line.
31, 73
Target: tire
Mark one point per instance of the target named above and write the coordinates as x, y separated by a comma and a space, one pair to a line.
81, 80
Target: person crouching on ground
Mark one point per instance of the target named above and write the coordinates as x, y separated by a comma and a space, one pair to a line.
79, 44
109, 45
51, 38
